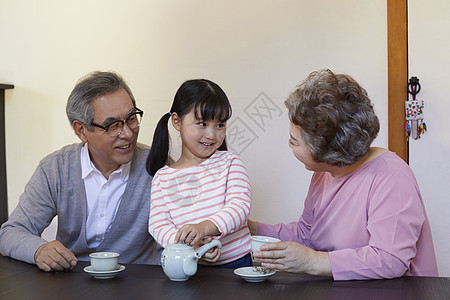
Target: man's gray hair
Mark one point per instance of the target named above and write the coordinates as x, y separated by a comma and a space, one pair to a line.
89, 88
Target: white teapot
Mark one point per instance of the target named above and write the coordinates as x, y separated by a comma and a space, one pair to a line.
179, 261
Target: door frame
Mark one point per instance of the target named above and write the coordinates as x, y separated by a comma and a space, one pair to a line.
397, 41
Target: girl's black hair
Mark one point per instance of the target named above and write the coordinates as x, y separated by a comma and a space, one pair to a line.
202, 95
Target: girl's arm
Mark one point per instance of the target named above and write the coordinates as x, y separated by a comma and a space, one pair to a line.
233, 216
161, 226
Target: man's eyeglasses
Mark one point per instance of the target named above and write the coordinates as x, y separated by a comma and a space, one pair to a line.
115, 128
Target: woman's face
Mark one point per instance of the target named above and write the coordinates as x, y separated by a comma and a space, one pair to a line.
300, 150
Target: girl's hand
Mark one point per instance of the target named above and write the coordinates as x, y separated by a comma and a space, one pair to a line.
192, 234
253, 227
203, 241
212, 255
293, 257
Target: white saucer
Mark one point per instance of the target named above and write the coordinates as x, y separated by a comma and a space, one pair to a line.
104, 274
251, 275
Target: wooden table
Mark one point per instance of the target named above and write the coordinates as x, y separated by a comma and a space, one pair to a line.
20, 280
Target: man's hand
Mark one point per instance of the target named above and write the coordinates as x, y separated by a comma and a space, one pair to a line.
53, 256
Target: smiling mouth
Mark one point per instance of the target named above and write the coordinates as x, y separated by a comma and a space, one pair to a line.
124, 146
206, 144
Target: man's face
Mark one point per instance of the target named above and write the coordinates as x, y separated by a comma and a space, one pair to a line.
109, 152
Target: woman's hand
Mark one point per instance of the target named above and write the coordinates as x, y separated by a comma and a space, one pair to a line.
192, 234
293, 257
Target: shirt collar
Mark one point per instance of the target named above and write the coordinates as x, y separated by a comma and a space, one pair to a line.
87, 166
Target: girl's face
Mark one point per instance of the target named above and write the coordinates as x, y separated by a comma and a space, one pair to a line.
200, 139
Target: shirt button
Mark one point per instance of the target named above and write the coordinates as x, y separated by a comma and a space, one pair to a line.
102, 215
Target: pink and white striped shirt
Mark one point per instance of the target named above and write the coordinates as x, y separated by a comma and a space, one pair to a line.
218, 190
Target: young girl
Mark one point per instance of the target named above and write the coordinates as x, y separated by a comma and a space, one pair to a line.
206, 192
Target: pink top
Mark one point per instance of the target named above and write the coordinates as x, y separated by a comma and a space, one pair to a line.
372, 222
218, 190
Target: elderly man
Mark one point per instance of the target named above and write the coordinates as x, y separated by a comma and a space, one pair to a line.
99, 188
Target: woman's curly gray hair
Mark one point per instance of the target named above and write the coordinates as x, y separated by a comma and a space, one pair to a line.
336, 117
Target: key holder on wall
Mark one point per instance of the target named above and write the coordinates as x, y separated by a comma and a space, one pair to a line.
415, 125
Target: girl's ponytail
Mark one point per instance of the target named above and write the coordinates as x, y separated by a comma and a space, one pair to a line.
159, 153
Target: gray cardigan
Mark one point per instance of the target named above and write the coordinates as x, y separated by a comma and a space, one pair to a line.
56, 188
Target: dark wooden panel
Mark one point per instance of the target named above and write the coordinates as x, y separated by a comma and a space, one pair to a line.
3, 190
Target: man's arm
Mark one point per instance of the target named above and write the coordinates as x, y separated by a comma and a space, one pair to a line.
20, 236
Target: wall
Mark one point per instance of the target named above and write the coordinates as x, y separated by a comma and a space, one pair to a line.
429, 61
257, 51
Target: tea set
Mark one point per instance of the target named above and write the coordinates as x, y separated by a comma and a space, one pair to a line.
179, 261
104, 265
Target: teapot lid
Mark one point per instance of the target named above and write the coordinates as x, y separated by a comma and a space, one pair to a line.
178, 246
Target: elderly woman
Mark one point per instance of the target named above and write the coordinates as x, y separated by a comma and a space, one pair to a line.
364, 217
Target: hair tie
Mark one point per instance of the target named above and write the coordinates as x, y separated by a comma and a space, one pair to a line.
170, 113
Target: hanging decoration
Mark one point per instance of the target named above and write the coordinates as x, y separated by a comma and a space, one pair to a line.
415, 125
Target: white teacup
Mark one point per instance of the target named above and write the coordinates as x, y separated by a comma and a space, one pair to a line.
257, 242
104, 261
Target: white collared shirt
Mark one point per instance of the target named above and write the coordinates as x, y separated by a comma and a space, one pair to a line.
103, 197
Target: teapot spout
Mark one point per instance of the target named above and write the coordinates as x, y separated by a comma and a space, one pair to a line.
190, 265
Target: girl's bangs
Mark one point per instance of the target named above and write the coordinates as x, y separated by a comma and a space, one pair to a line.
212, 108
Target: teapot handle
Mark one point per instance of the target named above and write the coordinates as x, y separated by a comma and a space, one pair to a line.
203, 249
